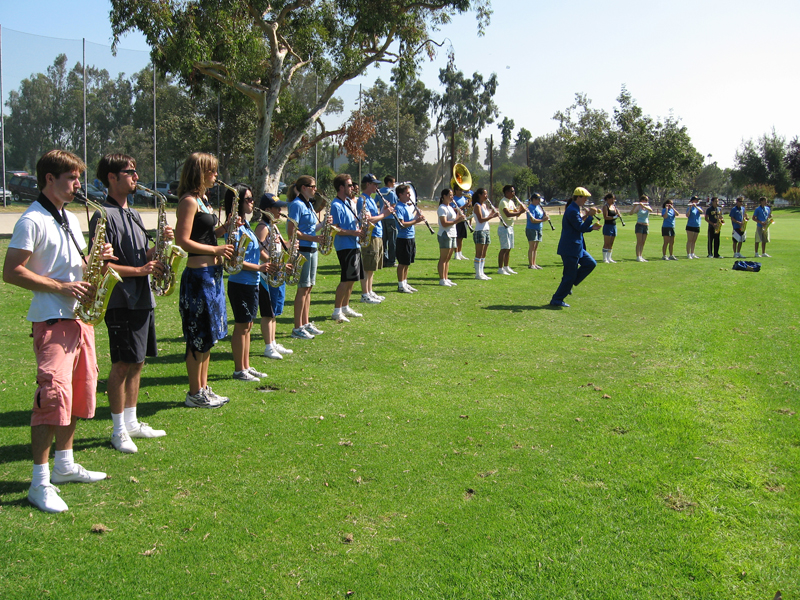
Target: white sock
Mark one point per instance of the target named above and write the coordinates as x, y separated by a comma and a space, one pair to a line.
119, 423
64, 462
41, 475
131, 422
337, 312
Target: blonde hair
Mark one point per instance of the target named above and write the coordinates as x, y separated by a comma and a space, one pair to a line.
193, 173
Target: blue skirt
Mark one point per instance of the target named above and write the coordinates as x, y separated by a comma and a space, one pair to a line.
202, 306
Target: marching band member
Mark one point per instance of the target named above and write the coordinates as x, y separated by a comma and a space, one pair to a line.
302, 212
130, 317
461, 199
610, 215
348, 231
578, 263
643, 211
204, 315
738, 217
533, 228
762, 215
372, 255
406, 244
668, 213
243, 291
507, 207
714, 219
693, 214
271, 299
45, 256
481, 235
448, 219
389, 224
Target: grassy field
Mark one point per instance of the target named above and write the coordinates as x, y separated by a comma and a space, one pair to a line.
456, 443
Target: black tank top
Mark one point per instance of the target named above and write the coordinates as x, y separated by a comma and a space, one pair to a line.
203, 230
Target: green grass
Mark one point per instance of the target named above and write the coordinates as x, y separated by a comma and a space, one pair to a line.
454, 443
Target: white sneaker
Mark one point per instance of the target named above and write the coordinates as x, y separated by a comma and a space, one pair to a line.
340, 317
216, 397
350, 312
758, 255
255, 373
444, 282
690, 256
452, 283
640, 259
695, 256
244, 376
403, 289
45, 497
502, 271
710, 256
411, 289
299, 333
200, 400
377, 297
313, 329
272, 352
78, 475
485, 277
367, 299
124, 443
766, 255
281, 349
671, 257
664, 257
611, 260
145, 431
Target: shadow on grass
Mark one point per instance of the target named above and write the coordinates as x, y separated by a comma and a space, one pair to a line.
12, 488
22, 452
519, 308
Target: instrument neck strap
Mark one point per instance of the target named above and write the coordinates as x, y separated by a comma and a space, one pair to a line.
130, 216
203, 207
61, 219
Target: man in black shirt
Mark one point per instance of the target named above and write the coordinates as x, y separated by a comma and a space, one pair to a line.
130, 313
715, 221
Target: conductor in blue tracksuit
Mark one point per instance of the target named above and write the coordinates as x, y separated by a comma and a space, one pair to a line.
578, 263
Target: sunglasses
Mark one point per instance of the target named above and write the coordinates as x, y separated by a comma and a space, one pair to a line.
130, 172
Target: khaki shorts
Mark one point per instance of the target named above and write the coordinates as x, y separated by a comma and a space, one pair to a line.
762, 235
66, 375
372, 255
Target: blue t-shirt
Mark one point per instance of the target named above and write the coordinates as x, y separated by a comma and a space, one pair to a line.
693, 214
762, 213
738, 214
306, 218
460, 201
390, 197
538, 213
252, 255
669, 217
406, 213
343, 218
372, 208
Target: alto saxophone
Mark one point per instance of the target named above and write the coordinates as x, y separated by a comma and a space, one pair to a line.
363, 221
234, 264
275, 254
327, 232
168, 255
293, 265
92, 309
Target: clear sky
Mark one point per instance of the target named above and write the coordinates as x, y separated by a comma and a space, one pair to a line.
725, 69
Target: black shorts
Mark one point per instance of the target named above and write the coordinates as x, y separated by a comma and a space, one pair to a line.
461, 230
350, 263
693, 229
131, 335
244, 301
265, 302
406, 251
668, 232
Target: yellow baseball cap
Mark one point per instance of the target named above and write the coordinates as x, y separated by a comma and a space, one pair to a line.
580, 191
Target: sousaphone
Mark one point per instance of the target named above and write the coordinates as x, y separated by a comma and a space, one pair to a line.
461, 178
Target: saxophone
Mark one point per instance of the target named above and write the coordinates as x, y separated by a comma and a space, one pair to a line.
234, 265
276, 257
327, 232
366, 238
168, 255
293, 265
718, 224
92, 309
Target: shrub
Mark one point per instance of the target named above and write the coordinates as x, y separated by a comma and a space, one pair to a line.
792, 195
754, 191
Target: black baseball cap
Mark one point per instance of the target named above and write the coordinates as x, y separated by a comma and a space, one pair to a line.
269, 201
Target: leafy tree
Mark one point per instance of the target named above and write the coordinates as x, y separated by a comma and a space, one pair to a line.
520, 156
754, 191
506, 131
258, 48
546, 153
793, 159
711, 180
792, 195
763, 162
630, 147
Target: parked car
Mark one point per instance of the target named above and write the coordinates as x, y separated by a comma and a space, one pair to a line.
95, 195
555, 202
23, 187
164, 188
5, 195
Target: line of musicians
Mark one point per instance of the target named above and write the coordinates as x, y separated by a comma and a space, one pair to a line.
46, 256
